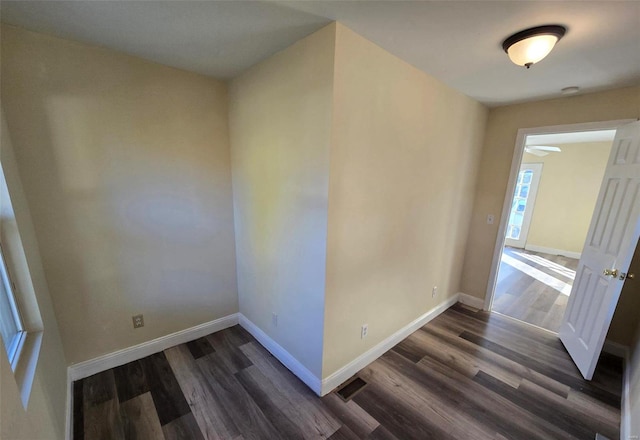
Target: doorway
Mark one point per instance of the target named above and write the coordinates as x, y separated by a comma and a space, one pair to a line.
556, 177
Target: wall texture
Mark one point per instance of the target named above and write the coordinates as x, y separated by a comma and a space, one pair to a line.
126, 169
497, 153
280, 123
404, 159
44, 417
567, 194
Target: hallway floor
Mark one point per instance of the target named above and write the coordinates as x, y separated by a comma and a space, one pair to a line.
534, 287
465, 375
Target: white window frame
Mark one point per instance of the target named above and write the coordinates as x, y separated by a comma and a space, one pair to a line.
15, 348
527, 214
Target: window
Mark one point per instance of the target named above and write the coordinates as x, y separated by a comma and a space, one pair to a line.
519, 204
21, 326
11, 327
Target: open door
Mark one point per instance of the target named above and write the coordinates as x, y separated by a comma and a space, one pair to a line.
609, 247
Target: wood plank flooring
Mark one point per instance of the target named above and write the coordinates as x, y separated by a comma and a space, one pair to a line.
533, 295
465, 375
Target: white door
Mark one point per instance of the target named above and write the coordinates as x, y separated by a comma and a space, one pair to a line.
609, 247
524, 198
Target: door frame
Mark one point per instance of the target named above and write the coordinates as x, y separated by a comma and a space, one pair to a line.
518, 151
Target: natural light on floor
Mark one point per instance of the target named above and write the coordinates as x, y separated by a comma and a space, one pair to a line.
549, 264
547, 279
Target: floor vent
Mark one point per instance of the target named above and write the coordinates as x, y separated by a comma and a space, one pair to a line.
350, 388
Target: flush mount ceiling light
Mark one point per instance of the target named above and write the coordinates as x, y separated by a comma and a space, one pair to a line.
541, 150
531, 45
570, 90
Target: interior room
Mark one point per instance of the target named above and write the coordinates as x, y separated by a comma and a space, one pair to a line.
555, 195
265, 219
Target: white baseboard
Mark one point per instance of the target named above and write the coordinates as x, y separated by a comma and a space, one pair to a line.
625, 405
68, 428
321, 387
281, 354
117, 358
552, 251
340, 376
471, 301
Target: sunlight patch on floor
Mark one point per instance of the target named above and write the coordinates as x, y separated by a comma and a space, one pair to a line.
564, 271
537, 274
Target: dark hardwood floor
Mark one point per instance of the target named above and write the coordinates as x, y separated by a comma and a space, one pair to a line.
465, 375
534, 287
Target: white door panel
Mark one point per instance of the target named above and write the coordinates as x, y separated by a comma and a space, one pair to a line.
610, 244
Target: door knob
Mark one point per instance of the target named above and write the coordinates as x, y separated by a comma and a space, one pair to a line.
623, 276
610, 273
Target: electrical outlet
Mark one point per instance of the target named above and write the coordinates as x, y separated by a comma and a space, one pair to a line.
364, 331
434, 291
138, 321
274, 319
490, 219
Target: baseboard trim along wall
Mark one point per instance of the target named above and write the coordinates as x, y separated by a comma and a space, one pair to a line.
625, 405
117, 358
105, 362
552, 251
68, 428
325, 386
471, 301
293, 364
321, 387
340, 376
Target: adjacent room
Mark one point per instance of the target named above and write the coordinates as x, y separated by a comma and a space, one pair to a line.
319, 219
555, 194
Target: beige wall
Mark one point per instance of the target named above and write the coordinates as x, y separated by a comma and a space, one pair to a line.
126, 169
400, 143
280, 123
404, 156
44, 417
567, 194
499, 142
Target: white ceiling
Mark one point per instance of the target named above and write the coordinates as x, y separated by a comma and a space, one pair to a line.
458, 42
571, 138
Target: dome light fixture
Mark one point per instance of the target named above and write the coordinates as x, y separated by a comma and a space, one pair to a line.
572, 90
529, 46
